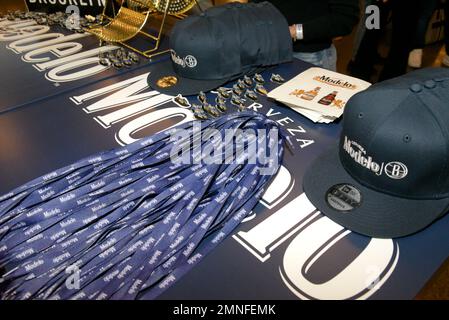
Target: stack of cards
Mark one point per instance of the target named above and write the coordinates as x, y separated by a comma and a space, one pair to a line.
319, 94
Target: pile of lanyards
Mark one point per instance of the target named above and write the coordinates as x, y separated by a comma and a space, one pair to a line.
131, 221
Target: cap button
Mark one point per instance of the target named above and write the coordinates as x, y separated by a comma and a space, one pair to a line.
416, 88
430, 84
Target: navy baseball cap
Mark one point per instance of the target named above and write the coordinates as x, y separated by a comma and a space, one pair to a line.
220, 45
389, 175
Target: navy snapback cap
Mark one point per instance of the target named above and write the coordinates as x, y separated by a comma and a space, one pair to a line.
389, 175
220, 45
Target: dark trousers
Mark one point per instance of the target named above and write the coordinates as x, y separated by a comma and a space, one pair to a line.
426, 10
446, 25
405, 14
367, 55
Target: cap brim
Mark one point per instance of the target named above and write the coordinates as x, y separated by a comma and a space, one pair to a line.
184, 86
379, 215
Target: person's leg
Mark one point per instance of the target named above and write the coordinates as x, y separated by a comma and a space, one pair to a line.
446, 32
426, 10
326, 59
446, 26
330, 58
367, 56
361, 29
314, 58
405, 14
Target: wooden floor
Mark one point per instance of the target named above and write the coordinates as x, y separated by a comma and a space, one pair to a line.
438, 286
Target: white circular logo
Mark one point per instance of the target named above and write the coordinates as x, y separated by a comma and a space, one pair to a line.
190, 61
396, 170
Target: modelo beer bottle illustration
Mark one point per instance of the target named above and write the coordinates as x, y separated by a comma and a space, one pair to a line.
310, 95
327, 100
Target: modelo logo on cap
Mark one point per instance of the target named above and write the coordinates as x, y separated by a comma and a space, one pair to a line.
188, 61
394, 170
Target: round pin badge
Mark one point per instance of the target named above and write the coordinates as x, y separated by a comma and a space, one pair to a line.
344, 198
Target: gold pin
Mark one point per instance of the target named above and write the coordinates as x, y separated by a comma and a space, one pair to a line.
202, 97
220, 100
237, 101
248, 81
259, 79
118, 64
224, 93
260, 89
236, 90
212, 110
241, 85
179, 99
277, 78
134, 57
105, 62
198, 112
251, 95
221, 107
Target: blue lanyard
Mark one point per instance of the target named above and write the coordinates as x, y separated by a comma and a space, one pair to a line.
130, 219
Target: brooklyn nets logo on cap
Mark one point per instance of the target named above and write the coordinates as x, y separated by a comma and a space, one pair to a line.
190, 61
166, 82
396, 170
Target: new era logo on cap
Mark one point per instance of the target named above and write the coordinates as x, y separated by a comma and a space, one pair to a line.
389, 175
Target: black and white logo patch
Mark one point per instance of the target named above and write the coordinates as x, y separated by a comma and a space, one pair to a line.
190, 61
396, 170
343, 198
187, 61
